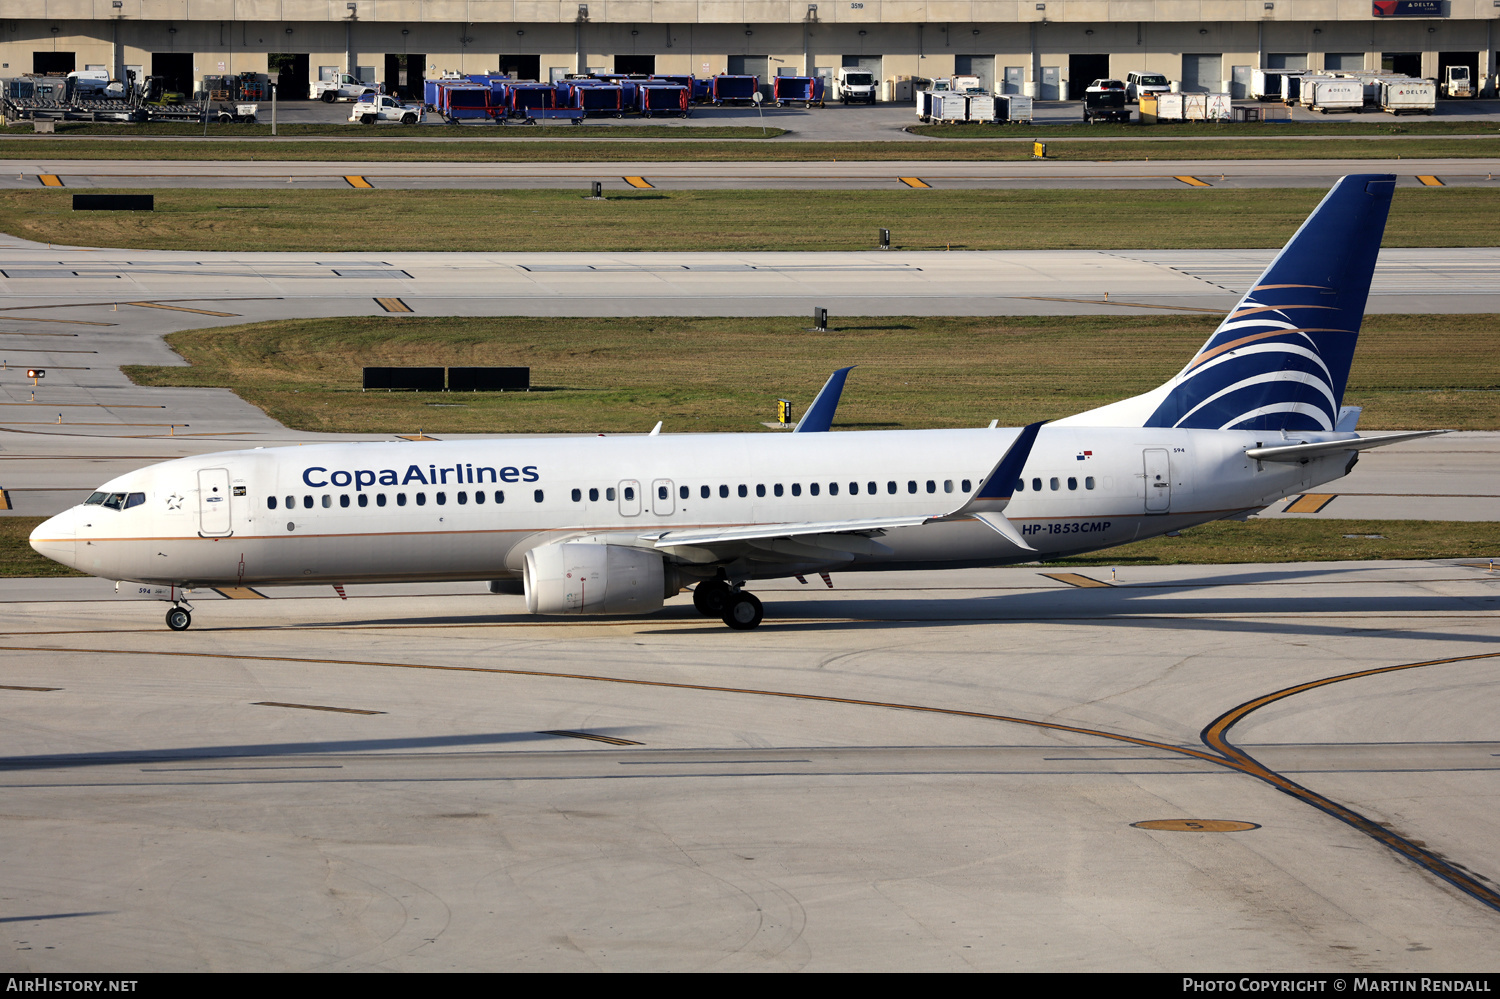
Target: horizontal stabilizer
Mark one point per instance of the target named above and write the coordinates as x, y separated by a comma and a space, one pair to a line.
1306, 452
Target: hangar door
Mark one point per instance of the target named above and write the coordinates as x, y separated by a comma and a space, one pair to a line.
1202, 73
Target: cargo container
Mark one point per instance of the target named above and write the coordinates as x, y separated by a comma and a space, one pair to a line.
1014, 109
464, 101
1336, 95
1408, 97
982, 108
600, 99
682, 80
808, 90
523, 98
740, 89
1220, 107
942, 106
1269, 84
1161, 107
662, 99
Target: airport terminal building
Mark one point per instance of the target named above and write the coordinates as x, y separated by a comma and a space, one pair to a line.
1049, 49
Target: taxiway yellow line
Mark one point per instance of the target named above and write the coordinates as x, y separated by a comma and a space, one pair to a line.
639, 182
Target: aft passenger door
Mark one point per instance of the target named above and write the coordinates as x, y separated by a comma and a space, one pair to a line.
213, 503
1158, 463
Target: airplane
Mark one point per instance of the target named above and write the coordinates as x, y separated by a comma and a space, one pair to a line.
616, 525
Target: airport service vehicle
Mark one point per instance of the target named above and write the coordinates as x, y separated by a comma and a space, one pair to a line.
1104, 103
855, 85
617, 524
345, 88
1408, 96
373, 108
1137, 84
1457, 82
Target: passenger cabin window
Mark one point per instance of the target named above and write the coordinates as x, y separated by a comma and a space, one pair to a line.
270, 502
463, 499
538, 495
499, 495
421, 499
890, 487
796, 489
813, 489
1088, 483
1053, 483
593, 495
966, 485
400, 499
833, 488
854, 489
307, 502
931, 486
1036, 484
777, 489
609, 494
683, 492
724, 492
911, 485
578, 496
1072, 482
344, 499
327, 501
1020, 485
760, 490
364, 499
442, 499
743, 490
704, 492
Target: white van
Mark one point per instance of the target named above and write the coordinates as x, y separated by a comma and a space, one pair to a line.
855, 84
1137, 84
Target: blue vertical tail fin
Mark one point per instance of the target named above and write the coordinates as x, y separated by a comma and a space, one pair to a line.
1281, 359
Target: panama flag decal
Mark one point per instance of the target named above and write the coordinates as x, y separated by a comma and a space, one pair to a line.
1083, 455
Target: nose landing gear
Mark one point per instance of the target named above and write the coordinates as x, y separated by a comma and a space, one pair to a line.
179, 616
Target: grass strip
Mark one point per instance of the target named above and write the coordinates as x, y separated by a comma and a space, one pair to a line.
566, 220
591, 150
724, 375
1313, 539
18, 558
1219, 543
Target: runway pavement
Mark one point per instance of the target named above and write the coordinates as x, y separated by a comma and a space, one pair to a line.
974, 770
1132, 174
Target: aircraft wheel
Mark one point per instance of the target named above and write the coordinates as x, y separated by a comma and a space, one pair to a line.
711, 597
178, 619
743, 612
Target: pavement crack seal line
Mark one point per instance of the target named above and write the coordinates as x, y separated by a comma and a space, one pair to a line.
1220, 752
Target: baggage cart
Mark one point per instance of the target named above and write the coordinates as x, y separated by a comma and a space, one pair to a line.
735, 89
1220, 107
662, 99
464, 102
808, 90
1156, 108
523, 99
680, 79
600, 99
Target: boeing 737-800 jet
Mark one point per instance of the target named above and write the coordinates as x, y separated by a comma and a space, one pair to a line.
616, 525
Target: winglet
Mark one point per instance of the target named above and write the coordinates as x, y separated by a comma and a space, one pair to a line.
819, 416
1002, 481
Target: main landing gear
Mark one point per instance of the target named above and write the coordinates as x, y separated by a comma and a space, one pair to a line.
718, 598
179, 616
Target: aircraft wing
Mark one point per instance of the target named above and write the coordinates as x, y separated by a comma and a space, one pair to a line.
1305, 452
985, 505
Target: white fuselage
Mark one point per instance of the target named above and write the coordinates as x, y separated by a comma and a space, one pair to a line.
339, 513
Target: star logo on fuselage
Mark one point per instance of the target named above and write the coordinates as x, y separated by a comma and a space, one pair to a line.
174, 502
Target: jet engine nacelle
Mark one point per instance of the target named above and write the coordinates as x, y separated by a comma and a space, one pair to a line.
577, 577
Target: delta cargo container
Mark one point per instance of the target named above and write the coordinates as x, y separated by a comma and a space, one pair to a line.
1408, 97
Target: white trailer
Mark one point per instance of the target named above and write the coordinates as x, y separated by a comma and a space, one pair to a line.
1408, 96
1269, 84
982, 108
1335, 95
1014, 108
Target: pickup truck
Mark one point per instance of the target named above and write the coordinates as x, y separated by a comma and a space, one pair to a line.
372, 108
345, 88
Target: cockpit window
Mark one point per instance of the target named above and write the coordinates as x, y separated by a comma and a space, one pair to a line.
134, 499
95, 499
115, 501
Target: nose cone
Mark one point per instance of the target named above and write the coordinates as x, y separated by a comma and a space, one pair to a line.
55, 538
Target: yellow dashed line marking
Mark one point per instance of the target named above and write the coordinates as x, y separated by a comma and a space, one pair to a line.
393, 305
611, 740
914, 182
239, 593
318, 707
416, 437
1430, 181
50, 180
1193, 182
1309, 503
639, 182
1075, 579
355, 181
183, 308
